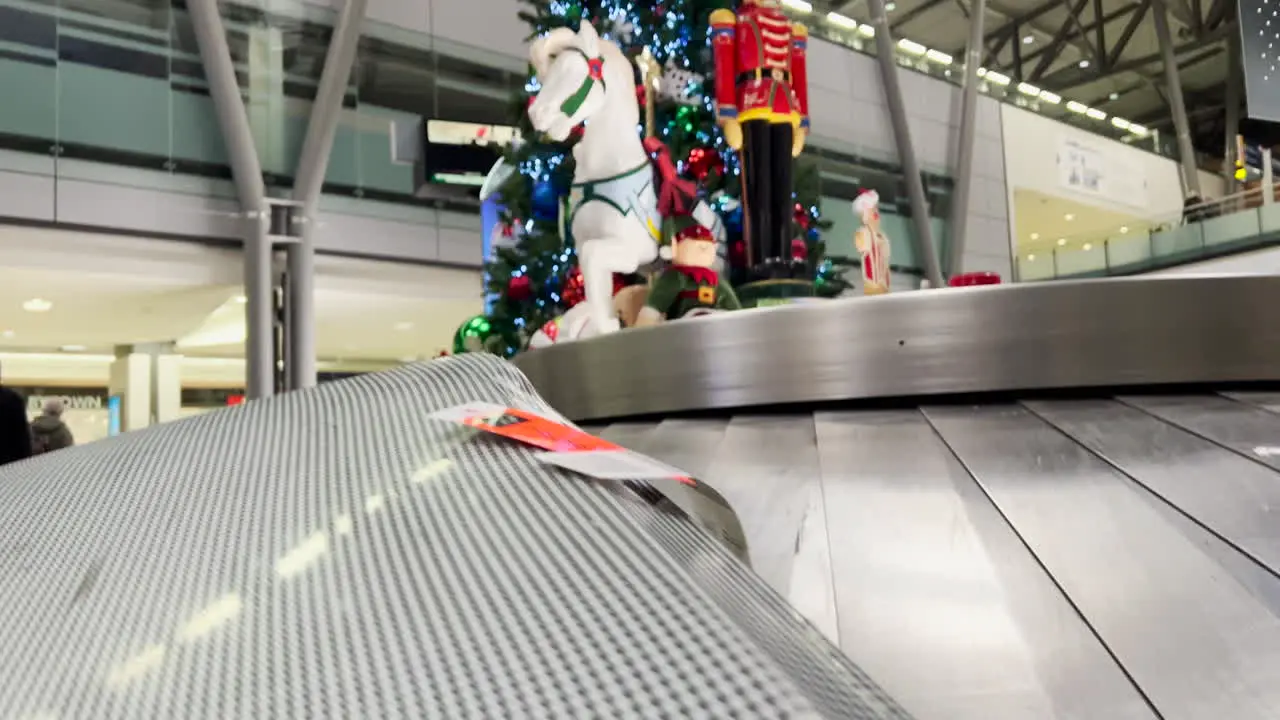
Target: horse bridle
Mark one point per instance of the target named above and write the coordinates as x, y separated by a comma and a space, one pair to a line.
595, 74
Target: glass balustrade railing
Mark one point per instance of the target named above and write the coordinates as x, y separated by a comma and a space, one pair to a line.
1246, 221
912, 55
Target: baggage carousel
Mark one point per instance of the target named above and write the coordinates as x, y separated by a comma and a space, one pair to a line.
1032, 501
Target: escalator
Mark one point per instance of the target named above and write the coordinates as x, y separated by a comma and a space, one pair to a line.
1073, 515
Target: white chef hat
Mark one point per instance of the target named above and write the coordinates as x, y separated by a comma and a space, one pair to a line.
866, 200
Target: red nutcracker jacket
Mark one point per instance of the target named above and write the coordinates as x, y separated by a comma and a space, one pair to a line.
760, 66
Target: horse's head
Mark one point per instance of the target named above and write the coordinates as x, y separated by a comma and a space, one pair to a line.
571, 70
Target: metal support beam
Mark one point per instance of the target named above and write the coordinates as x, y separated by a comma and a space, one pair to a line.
1070, 77
1191, 177
1099, 35
308, 181
885, 54
233, 121
963, 175
1235, 82
1126, 35
1051, 52
1017, 56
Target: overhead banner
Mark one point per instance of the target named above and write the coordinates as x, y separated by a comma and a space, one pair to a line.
1086, 169
1260, 57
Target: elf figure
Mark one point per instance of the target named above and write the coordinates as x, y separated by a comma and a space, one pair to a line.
690, 286
872, 244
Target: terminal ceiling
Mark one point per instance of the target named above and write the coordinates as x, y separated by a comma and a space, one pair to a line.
1103, 53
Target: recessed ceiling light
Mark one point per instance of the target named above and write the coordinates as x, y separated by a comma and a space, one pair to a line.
1028, 39
890, 7
7, 333
37, 305
1114, 96
241, 299
1124, 229
1087, 247
404, 325
73, 348
1062, 241
1084, 64
1068, 217
1031, 258
798, 5
1035, 236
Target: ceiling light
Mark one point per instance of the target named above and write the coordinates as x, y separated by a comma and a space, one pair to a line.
842, 21
798, 5
982, 71
1077, 107
1120, 123
1051, 98
37, 305
1114, 96
73, 348
7, 333
911, 47
1028, 39
1068, 217
1083, 64
404, 325
1028, 89
890, 7
995, 77
866, 31
1035, 236
1087, 247
1096, 114
241, 299
1124, 229
1137, 129
939, 57
1062, 241
1031, 258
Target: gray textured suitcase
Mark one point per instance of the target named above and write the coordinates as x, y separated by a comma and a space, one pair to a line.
338, 553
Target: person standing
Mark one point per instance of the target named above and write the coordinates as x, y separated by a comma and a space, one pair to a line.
49, 432
15, 434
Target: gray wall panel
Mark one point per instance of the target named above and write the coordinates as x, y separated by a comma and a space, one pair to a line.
377, 237
26, 196
145, 210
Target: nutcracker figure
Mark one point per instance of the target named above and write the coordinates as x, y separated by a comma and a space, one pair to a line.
762, 106
872, 244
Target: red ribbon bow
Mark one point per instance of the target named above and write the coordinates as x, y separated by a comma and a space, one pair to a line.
674, 192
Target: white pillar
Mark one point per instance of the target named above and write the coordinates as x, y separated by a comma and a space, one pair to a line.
266, 105
1268, 188
130, 380
166, 387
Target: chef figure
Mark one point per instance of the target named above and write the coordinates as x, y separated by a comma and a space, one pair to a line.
872, 244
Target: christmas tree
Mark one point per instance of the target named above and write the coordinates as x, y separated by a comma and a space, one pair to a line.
534, 279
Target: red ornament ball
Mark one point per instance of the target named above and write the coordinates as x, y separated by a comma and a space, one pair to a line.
551, 329
703, 163
574, 290
799, 250
802, 217
520, 288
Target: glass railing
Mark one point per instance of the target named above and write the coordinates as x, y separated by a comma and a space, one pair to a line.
1245, 221
943, 66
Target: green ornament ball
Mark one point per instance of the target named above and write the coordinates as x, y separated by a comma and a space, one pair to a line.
472, 335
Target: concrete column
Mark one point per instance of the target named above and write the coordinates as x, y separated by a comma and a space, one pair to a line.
885, 49
1186, 153
233, 121
308, 181
958, 231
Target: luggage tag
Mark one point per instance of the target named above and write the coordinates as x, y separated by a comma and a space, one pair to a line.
586, 454
567, 447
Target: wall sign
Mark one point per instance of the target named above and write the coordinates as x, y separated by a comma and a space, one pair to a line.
1084, 168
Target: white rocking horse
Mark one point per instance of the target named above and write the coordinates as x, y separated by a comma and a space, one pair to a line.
613, 204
